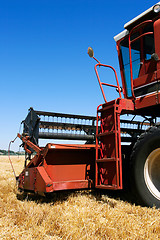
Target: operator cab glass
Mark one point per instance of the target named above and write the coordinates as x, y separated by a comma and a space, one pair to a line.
142, 48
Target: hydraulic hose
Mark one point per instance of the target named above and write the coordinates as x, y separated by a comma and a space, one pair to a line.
10, 158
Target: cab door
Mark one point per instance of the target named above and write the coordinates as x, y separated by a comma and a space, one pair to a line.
137, 66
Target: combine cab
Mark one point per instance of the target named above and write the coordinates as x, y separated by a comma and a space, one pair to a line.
119, 151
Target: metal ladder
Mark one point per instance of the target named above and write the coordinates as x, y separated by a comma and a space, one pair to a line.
108, 164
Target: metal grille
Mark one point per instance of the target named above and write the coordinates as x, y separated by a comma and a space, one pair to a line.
50, 125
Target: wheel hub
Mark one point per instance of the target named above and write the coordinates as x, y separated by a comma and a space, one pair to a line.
152, 173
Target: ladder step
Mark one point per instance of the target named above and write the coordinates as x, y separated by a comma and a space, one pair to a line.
106, 187
107, 160
105, 133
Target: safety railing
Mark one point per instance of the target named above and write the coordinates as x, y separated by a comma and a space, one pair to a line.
118, 88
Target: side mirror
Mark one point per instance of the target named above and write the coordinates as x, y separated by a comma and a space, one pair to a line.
90, 52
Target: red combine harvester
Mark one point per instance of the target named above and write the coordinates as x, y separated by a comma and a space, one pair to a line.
120, 151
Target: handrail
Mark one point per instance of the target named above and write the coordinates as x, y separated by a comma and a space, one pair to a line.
140, 25
107, 84
142, 35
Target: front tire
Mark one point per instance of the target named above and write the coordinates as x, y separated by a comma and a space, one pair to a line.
145, 168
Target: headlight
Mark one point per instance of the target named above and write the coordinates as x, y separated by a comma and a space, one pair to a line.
156, 8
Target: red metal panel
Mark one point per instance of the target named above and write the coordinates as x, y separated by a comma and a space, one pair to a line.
64, 164
43, 182
158, 73
68, 166
29, 179
124, 105
146, 101
156, 39
107, 173
81, 184
158, 96
68, 172
143, 80
70, 146
21, 180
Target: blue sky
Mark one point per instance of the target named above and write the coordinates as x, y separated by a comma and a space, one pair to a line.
43, 55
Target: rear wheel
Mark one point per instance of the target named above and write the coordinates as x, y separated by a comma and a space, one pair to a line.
145, 168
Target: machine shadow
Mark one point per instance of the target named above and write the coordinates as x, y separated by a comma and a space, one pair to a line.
103, 196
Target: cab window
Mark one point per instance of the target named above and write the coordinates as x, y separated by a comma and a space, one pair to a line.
141, 51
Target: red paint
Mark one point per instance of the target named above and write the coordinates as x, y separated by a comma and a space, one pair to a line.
59, 167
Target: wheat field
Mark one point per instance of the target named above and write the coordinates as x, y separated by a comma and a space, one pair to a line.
73, 215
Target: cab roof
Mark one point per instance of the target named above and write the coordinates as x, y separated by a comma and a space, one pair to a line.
148, 14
